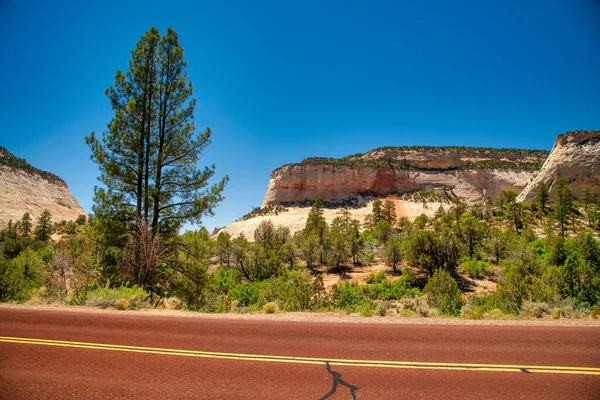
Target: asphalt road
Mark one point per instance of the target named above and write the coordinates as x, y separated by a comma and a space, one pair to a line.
68, 355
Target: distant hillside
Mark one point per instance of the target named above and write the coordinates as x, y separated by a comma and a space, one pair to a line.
24, 187
10, 160
474, 173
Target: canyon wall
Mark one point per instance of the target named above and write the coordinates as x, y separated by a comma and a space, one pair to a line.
575, 157
24, 188
471, 173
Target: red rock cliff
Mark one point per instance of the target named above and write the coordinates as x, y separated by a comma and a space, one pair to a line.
472, 173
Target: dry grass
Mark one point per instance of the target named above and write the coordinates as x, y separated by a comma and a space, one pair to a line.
122, 304
270, 308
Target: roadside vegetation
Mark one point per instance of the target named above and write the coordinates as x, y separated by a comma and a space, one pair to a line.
495, 260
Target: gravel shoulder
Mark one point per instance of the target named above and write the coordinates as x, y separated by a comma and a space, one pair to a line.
335, 318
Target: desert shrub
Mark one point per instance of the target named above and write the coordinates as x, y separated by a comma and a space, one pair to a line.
443, 293
270, 308
495, 313
532, 309
122, 304
469, 312
107, 297
567, 309
412, 306
366, 308
405, 312
475, 269
172, 303
382, 308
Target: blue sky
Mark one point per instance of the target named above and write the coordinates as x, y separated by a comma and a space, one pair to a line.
279, 81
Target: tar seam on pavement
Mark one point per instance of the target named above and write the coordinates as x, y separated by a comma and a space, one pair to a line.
337, 379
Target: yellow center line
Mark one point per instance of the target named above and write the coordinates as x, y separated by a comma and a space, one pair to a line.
308, 360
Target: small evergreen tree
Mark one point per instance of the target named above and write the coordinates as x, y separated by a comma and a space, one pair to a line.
393, 252
389, 212
443, 293
43, 228
26, 223
542, 196
563, 204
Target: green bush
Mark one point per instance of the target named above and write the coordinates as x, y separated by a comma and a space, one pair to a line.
443, 293
245, 293
346, 295
20, 275
293, 291
475, 269
512, 290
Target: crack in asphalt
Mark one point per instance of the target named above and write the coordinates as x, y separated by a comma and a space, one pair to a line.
337, 379
525, 370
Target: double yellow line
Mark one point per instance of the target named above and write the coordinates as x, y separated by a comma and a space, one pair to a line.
308, 360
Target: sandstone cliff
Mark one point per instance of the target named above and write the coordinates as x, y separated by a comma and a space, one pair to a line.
574, 157
295, 217
472, 173
25, 188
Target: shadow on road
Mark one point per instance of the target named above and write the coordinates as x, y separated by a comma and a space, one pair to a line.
337, 380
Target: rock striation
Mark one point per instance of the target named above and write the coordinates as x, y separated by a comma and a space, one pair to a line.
26, 188
575, 157
472, 173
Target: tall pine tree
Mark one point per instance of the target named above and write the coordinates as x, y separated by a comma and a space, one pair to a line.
148, 157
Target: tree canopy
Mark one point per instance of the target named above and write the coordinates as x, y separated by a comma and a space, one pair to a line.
148, 157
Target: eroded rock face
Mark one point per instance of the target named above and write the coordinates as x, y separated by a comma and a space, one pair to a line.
470, 173
22, 191
575, 157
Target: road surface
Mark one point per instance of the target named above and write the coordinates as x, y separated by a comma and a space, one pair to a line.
62, 355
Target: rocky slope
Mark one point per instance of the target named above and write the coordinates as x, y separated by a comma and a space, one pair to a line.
472, 173
26, 188
574, 157
295, 217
